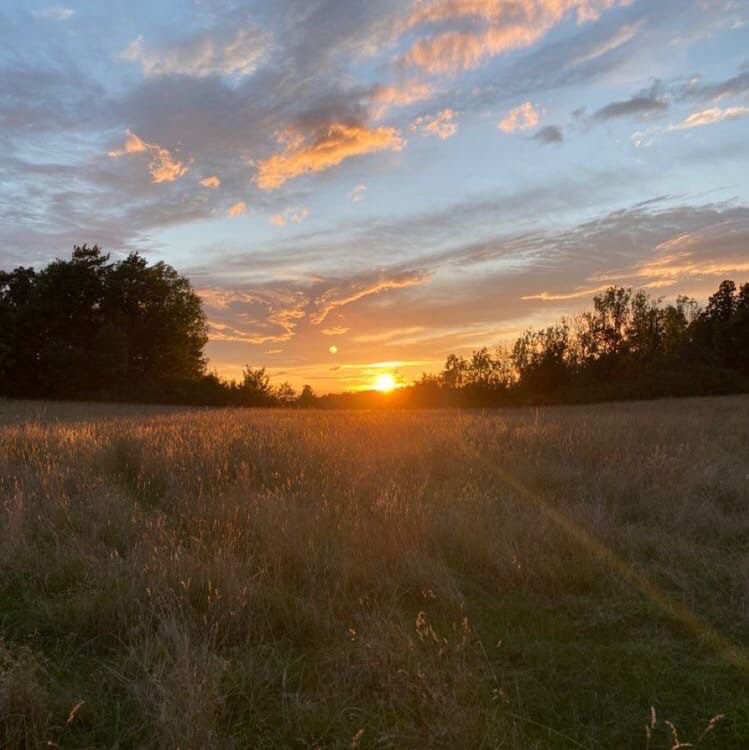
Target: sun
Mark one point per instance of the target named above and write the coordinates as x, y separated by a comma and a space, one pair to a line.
384, 382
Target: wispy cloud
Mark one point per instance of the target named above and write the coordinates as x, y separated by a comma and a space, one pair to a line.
737, 85
212, 182
236, 53
338, 143
385, 98
563, 296
442, 125
712, 248
620, 38
164, 167
708, 251
386, 337
54, 13
635, 106
257, 317
711, 117
505, 26
356, 289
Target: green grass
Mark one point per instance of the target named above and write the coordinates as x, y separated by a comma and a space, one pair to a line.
516, 579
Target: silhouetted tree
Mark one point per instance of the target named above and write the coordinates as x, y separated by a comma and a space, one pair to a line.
86, 326
285, 394
629, 346
255, 388
307, 397
541, 358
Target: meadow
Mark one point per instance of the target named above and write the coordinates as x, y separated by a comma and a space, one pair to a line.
566, 577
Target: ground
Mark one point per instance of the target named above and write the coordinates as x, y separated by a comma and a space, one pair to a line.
555, 578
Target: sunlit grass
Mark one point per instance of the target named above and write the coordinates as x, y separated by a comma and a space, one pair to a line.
516, 579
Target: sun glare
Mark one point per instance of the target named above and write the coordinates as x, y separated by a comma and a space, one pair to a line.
384, 383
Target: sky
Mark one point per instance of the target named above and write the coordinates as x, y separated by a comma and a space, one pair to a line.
357, 187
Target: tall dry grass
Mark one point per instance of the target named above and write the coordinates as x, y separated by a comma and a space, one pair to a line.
273, 579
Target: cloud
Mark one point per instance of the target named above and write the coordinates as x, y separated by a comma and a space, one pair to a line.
385, 98
259, 316
623, 36
737, 85
54, 13
549, 134
442, 125
163, 167
356, 289
389, 337
636, 105
358, 194
209, 53
523, 117
237, 209
561, 296
473, 296
669, 246
211, 182
706, 251
272, 313
290, 215
710, 117
338, 143
506, 26
222, 299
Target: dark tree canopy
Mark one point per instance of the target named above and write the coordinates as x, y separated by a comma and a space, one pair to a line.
629, 346
88, 327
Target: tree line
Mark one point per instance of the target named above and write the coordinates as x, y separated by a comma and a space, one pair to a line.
93, 328
628, 346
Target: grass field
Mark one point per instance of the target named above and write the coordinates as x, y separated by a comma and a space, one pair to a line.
269, 579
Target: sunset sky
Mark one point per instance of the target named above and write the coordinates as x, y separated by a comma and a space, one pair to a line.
359, 187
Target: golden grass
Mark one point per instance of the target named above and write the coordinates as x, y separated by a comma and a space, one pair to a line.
514, 579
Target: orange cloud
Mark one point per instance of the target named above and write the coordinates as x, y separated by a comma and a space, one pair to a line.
386, 337
252, 317
673, 261
204, 55
211, 182
385, 98
507, 26
226, 332
554, 297
442, 124
338, 143
338, 297
711, 116
163, 167
237, 210
524, 117
290, 215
